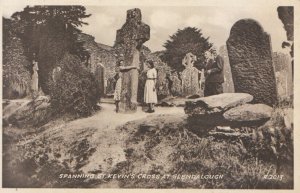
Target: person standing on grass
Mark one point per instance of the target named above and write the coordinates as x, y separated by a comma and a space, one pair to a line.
150, 95
120, 68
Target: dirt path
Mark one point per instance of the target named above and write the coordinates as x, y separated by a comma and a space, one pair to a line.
101, 133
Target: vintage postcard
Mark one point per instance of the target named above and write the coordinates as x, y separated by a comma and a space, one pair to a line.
138, 95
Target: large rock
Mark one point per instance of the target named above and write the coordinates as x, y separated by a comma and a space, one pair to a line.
249, 113
216, 103
250, 56
34, 112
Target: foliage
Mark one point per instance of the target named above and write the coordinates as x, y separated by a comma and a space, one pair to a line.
183, 41
75, 91
16, 77
32, 161
169, 148
49, 32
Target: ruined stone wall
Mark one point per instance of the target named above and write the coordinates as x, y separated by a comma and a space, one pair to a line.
100, 54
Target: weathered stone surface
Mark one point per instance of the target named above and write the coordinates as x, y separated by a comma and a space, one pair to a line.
283, 71
228, 82
286, 15
28, 112
216, 103
100, 54
250, 56
249, 113
175, 84
100, 78
190, 76
129, 41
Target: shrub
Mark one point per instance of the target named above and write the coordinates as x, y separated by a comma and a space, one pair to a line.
75, 90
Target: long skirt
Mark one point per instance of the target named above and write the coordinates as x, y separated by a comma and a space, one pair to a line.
150, 95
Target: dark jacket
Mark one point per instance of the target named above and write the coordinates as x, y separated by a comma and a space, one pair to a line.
217, 70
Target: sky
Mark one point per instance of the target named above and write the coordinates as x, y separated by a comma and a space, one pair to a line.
214, 22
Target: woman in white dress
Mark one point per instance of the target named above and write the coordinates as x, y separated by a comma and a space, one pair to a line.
120, 68
150, 95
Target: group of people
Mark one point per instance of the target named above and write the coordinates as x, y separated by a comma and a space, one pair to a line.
213, 73
150, 95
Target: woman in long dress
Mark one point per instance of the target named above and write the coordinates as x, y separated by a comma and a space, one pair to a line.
120, 68
150, 95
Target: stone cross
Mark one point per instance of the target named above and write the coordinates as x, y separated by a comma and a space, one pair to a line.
250, 56
190, 76
129, 41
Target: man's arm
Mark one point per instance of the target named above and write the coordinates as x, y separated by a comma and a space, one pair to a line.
219, 67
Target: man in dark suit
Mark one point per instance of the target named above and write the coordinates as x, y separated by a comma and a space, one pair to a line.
214, 73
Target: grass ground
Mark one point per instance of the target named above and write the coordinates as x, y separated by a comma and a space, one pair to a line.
149, 146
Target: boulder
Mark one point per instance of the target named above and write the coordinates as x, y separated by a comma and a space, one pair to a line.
216, 103
34, 112
249, 112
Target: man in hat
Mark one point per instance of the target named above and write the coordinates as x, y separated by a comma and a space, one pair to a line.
214, 73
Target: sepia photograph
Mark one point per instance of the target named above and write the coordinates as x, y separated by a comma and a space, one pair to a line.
148, 96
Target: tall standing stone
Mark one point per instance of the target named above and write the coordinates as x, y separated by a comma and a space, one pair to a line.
250, 56
283, 71
286, 15
228, 86
129, 41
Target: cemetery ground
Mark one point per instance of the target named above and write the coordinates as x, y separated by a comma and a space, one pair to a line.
143, 149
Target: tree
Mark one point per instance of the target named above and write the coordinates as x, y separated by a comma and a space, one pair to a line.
49, 32
75, 90
183, 41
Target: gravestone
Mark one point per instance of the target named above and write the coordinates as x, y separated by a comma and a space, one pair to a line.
190, 76
129, 41
35, 77
100, 79
56, 73
175, 84
250, 56
283, 71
